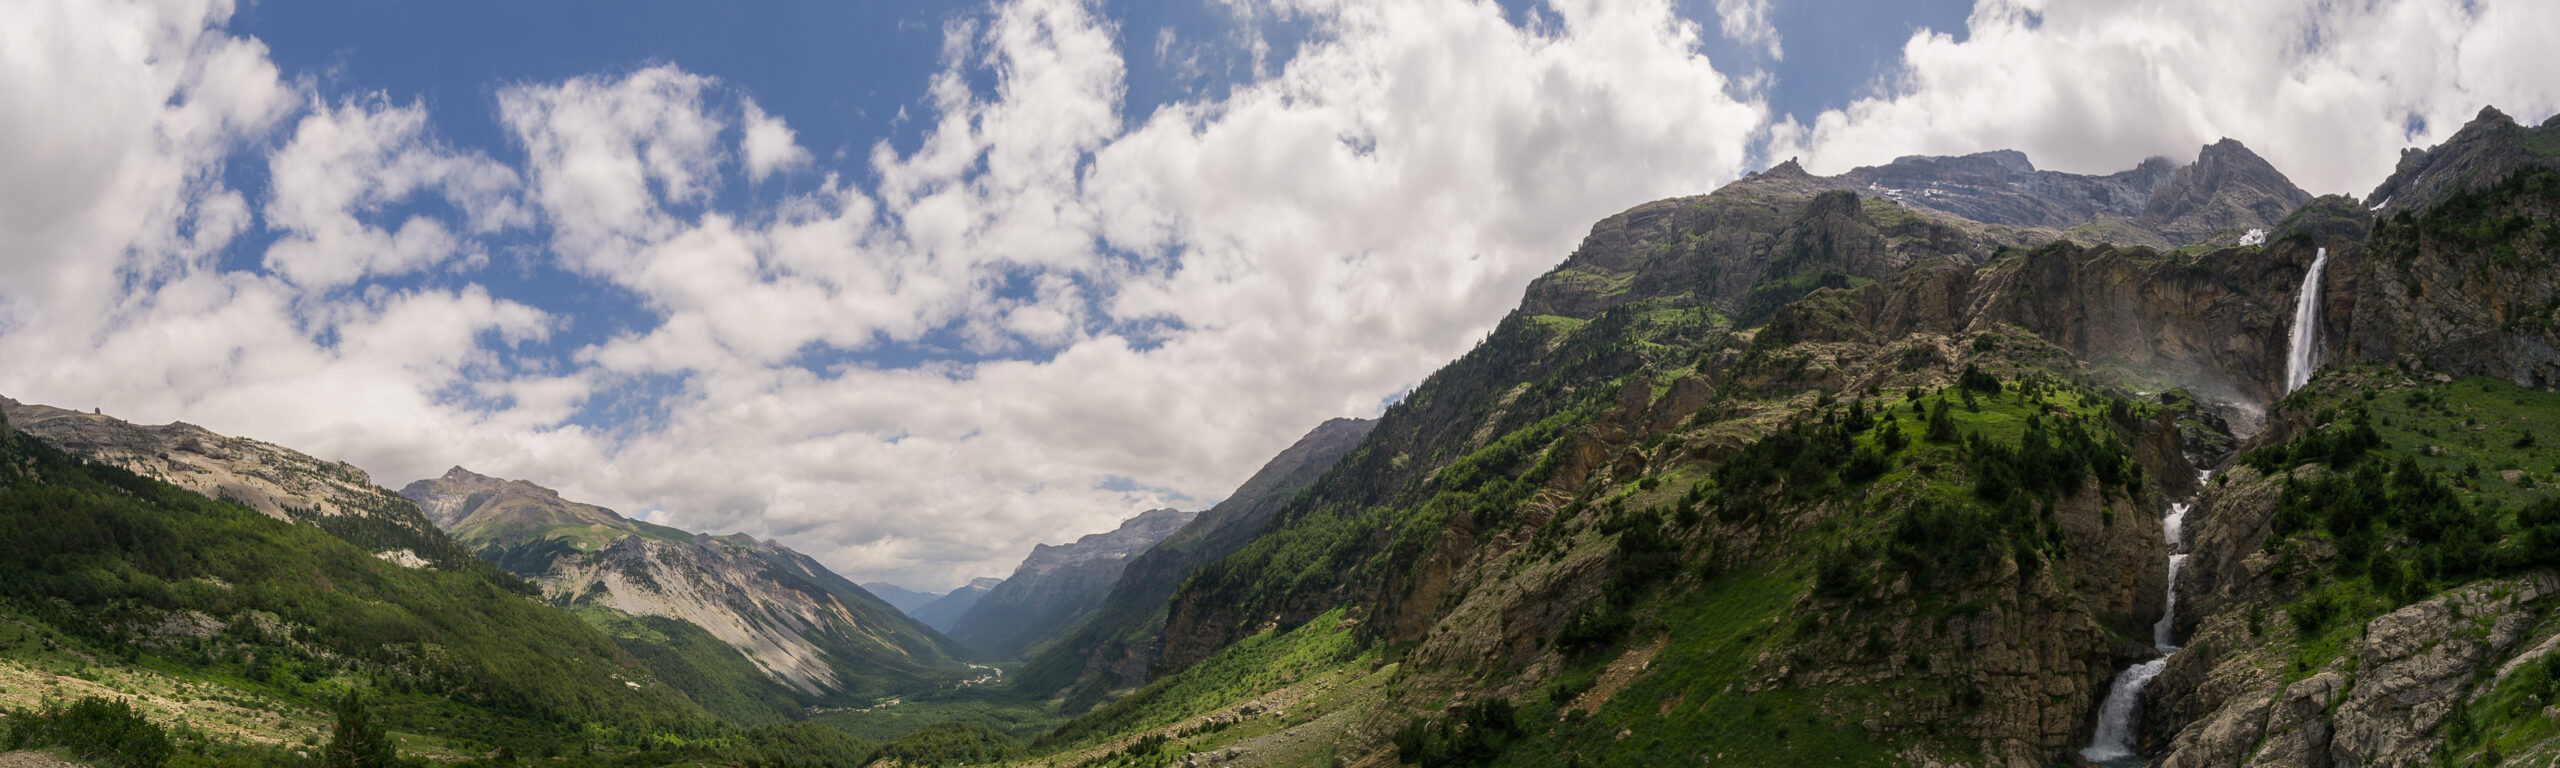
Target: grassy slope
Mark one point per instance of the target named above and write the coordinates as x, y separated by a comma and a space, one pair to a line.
93, 555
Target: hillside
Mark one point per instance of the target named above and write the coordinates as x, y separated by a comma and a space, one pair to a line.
1057, 586
752, 629
241, 625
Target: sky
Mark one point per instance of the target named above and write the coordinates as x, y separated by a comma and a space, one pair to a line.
912, 286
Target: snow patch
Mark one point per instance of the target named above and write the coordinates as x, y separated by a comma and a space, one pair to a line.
2255, 237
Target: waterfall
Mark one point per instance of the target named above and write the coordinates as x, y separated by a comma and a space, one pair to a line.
2302, 354
2120, 717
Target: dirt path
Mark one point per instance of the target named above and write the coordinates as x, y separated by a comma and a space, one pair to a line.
32, 760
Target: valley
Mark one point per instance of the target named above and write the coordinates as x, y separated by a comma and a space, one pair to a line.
1951, 461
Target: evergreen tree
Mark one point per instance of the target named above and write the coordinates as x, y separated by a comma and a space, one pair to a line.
358, 741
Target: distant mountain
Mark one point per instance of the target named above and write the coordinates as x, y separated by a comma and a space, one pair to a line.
901, 598
1056, 586
1119, 642
816, 636
943, 611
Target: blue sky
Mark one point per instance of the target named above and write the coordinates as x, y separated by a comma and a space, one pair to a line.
914, 286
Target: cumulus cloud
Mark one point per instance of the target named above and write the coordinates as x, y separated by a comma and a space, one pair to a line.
353, 160
1171, 301
2328, 92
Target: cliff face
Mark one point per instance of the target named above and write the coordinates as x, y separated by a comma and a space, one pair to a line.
1057, 586
2470, 287
797, 622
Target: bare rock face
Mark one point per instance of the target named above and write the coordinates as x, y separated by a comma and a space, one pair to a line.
2489, 307
1057, 585
276, 481
2416, 664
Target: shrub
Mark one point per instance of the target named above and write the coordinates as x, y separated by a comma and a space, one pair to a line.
101, 731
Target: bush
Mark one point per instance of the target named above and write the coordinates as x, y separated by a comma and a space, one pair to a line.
96, 730
1473, 735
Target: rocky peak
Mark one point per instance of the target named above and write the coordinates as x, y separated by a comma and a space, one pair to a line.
2228, 188
2486, 151
2002, 187
983, 583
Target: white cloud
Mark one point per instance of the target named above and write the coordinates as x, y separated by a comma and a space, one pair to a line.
2323, 90
769, 145
356, 159
1747, 22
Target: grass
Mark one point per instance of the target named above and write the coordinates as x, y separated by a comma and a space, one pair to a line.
2481, 424
1697, 704
1247, 668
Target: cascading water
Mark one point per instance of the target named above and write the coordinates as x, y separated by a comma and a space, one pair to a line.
2119, 717
2302, 354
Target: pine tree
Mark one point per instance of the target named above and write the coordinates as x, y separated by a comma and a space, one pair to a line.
358, 741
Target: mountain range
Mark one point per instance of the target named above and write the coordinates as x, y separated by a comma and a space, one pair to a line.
1951, 461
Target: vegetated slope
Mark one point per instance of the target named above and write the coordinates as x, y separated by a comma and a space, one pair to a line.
793, 632
276, 481
1116, 646
1912, 515
1056, 586
214, 608
944, 611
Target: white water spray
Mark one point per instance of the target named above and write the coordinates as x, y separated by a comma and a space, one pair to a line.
2119, 717
2302, 355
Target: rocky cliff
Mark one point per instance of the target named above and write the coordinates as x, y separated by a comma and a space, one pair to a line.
1057, 586
815, 633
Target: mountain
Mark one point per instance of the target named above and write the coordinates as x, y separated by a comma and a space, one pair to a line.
243, 622
901, 598
2488, 150
1057, 586
273, 480
1120, 642
812, 635
1889, 468
943, 611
